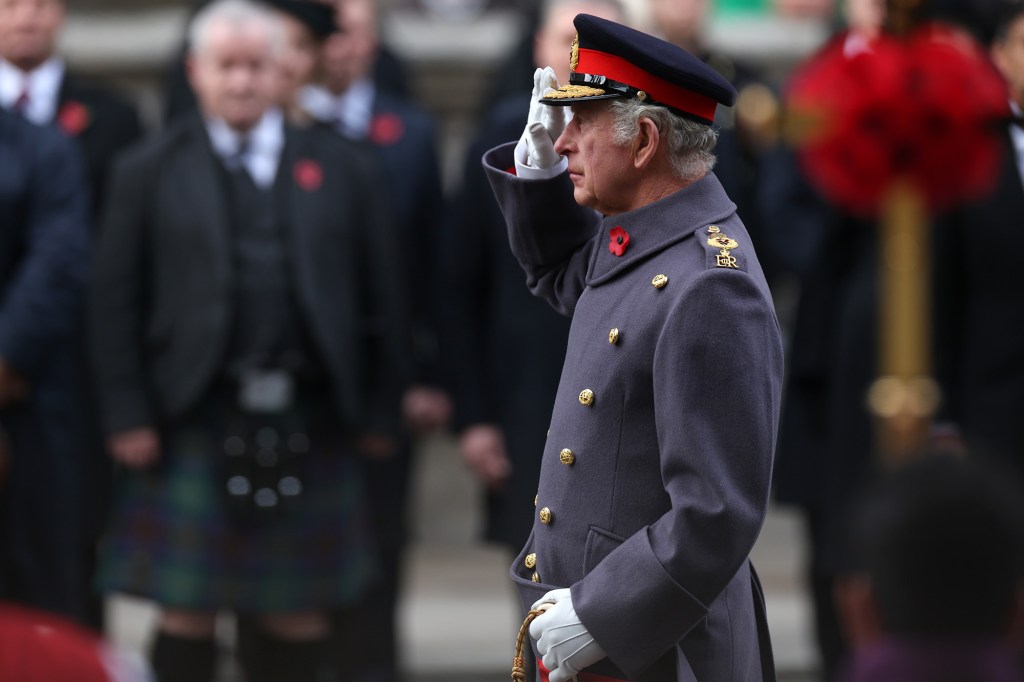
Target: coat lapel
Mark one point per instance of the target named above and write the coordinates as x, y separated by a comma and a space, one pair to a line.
203, 199
300, 177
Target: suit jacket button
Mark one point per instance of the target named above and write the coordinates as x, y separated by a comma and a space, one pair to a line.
659, 281
567, 457
536, 499
545, 516
613, 336
586, 397
535, 578
531, 560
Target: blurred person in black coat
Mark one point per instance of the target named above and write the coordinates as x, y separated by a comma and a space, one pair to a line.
44, 255
248, 336
36, 81
351, 102
504, 346
979, 314
825, 434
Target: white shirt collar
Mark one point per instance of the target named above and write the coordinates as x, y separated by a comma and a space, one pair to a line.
265, 142
43, 85
350, 112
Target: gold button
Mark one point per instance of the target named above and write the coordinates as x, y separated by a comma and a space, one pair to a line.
536, 499
566, 457
536, 577
531, 560
586, 397
659, 281
545, 515
713, 229
613, 336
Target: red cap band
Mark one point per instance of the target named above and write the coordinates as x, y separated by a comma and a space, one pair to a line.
618, 69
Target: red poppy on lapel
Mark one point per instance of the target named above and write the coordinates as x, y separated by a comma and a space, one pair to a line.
386, 129
619, 241
73, 117
309, 175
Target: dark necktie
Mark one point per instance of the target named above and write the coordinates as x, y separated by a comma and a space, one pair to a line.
21, 104
236, 160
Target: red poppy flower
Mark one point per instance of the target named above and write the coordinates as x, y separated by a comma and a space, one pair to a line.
308, 174
924, 109
386, 129
619, 241
73, 117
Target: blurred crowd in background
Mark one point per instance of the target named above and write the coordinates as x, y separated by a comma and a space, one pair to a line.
222, 336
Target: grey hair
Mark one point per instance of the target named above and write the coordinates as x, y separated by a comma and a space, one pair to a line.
691, 144
238, 13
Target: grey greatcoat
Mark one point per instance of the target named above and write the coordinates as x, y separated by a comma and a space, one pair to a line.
656, 472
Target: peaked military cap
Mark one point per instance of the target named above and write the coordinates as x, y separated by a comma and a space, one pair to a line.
317, 16
609, 60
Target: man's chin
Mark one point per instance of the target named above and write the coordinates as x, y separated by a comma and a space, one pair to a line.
27, 58
242, 121
582, 198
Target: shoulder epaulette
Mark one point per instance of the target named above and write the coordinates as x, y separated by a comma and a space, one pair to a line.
722, 250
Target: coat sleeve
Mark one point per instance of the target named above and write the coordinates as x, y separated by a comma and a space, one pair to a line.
117, 300
716, 394
385, 317
42, 303
550, 234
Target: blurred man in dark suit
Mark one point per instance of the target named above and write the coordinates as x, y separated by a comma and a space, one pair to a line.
36, 82
44, 254
404, 138
248, 338
980, 345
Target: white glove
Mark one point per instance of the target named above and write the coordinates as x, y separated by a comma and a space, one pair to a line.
543, 125
565, 645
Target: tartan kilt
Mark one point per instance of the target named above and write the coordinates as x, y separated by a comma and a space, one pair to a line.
172, 540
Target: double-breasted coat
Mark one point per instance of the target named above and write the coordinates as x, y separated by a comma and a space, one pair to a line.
656, 472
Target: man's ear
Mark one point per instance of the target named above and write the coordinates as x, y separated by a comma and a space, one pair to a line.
855, 601
646, 143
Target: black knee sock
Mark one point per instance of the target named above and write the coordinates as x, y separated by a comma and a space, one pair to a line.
182, 659
297, 661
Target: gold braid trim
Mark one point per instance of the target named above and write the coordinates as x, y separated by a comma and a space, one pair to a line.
519, 661
567, 91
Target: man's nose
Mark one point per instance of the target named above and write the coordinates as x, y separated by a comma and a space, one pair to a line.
565, 140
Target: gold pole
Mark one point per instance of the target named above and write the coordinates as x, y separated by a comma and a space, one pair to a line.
904, 397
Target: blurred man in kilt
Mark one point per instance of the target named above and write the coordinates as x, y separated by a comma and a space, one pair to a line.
247, 341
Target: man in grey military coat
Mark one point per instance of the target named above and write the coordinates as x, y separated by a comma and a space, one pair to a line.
656, 472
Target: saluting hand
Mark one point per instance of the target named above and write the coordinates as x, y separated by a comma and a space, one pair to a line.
545, 123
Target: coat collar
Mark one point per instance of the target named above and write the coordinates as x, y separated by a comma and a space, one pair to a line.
656, 226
